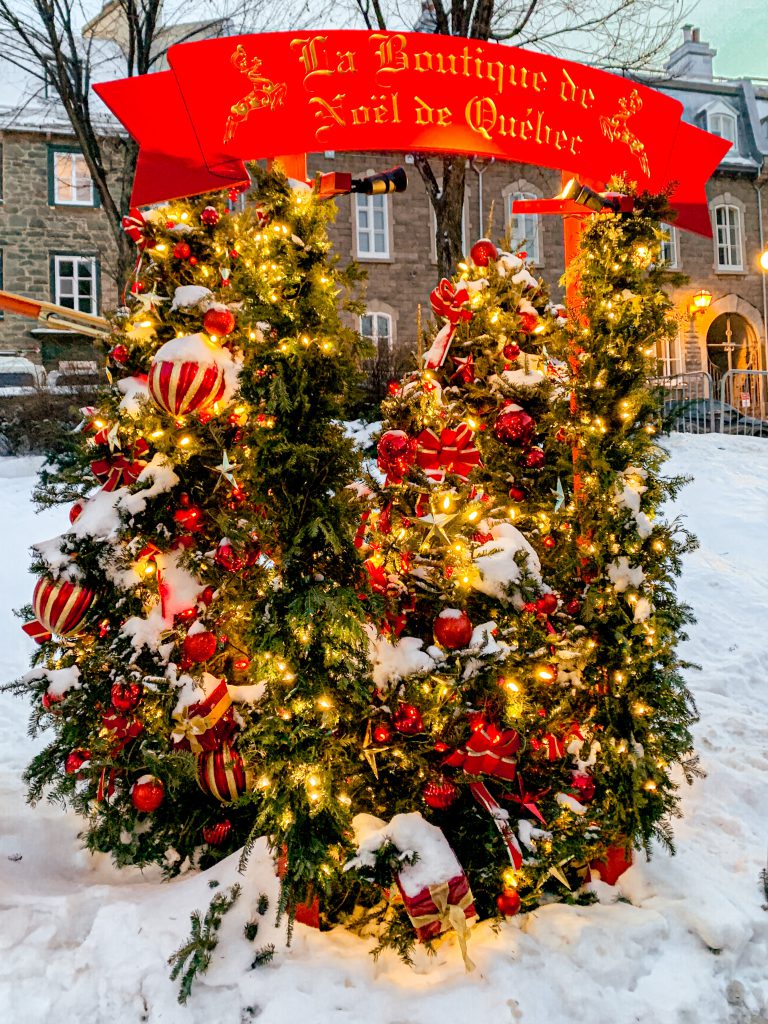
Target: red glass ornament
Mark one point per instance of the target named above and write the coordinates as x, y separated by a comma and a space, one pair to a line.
193, 261
182, 251
452, 629
511, 350
210, 216
186, 615
534, 458
585, 786
241, 664
482, 252
396, 452
76, 511
516, 493
75, 760
219, 322
528, 322
216, 835
189, 519
393, 386
137, 287
514, 426
186, 386
549, 542
147, 794
573, 607
225, 557
206, 595
407, 719
126, 696
199, 646
382, 732
547, 604
119, 354
440, 794
508, 903
61, 606
50, 700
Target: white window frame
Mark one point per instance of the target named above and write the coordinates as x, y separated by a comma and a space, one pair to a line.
517, 240
76, 262
374, 337
58, 181
365, 203
734, 213
669, 353
673, 246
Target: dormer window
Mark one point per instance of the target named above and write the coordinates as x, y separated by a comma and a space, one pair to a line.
723, 120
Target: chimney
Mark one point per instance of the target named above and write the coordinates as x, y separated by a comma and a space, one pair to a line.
692, 60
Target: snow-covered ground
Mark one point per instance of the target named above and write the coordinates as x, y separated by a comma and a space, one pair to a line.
686, 944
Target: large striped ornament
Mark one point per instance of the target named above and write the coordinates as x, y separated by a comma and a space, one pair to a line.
60, 606
183, 387
221, 773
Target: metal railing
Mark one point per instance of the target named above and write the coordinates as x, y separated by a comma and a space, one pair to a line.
694, 403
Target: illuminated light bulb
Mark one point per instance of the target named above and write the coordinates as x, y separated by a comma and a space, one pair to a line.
343, 798
185, 441
510, 879
650, 785
640, 709
622, 748
313, 780
99, 423
463, 266
659, 545
149, 569
324, 703
314, 795
289, 677
281, 665
263, 782
252, 336
472, 516
472, 423
619, 677
184, 216
512, 513
446, 502
160, 247
157, 433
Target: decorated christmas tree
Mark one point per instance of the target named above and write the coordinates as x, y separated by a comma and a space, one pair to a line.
209, 574
528, 696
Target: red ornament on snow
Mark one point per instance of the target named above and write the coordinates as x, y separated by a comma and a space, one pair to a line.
182, 387
514, 426
76, 511
382, 732
407, 720
534, 458
517, 493
397, 452
219, 322
119, 354
182, 251
126, 696
613, 865
50, 700
440, 794
147, 794
75, 760
482, 252
210, 216
216, 835
511, 350
547, 604
508, 903
584, 784
61, 606
200, 646
452, 629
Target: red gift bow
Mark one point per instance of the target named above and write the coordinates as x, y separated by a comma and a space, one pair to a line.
120, 729
121, 470
554, 744
528, 800
483, 796
489, 751
448, 301
206, 724
377, 575
452, 452
135, 226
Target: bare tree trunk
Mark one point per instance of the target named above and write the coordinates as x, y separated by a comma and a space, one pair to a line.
447, 199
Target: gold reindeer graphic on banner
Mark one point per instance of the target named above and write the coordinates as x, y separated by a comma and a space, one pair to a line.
617, 130
265, 93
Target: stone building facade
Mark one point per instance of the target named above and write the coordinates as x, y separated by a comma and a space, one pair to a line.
47, 214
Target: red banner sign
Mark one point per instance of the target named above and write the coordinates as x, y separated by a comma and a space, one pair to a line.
240, 98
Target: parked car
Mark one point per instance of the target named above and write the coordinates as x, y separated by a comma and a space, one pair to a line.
20, 376
704, 415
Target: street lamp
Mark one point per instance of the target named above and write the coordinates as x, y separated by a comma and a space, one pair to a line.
764, 260
700, 302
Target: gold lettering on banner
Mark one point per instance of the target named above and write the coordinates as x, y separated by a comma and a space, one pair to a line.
264, 92
425, 114
390, 53
616, 128
481, 115
328, 113
384, 112
572, 93
484, 118
315, 60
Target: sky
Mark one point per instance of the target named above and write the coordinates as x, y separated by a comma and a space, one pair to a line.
738, 30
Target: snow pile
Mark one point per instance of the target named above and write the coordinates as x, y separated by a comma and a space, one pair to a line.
393, 661
415, 839
498, 568
83, 942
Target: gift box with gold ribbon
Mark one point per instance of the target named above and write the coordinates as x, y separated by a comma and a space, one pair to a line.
206, 724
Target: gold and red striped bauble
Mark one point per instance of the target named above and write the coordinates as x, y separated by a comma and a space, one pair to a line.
60, 606
221, 773
184, 387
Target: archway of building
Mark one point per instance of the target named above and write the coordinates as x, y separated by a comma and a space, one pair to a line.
732, 344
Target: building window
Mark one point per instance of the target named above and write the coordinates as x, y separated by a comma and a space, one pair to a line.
669, 356
669, 255
372, 222
377, 329
69, 180
524, 228
75, 282
728, 237
725, 125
